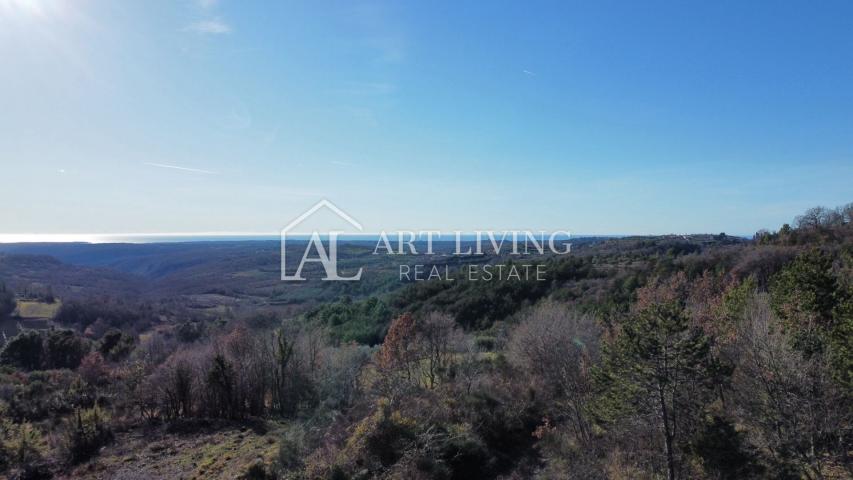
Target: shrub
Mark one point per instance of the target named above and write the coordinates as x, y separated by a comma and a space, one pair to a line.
65, 349
257, 471
25, 351
116, 345
85, 435
93, 369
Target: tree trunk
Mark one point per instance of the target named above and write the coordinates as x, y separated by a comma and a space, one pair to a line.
667, 435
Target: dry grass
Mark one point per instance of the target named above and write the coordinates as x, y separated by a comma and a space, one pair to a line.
226, 453
33, 309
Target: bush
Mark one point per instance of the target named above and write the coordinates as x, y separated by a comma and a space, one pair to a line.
115, 345
33, 350
84, 436
189, 332
291, 450
380, 440
257, 471
25, 351
22, 451
65, 349
724, 451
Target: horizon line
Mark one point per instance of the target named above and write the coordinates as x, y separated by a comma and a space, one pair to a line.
188, 237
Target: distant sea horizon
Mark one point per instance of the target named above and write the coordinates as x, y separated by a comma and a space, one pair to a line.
143, 238
98, 238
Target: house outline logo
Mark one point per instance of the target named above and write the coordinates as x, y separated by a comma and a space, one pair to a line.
329, 259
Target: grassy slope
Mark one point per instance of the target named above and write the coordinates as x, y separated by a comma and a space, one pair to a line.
224, 452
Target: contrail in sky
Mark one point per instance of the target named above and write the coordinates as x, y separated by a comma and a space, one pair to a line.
186, 169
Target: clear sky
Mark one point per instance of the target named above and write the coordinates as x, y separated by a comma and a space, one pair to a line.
596, 117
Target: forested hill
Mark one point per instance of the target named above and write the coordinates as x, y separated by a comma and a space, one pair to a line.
681, 357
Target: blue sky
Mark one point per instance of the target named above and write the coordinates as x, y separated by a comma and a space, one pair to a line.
595, 117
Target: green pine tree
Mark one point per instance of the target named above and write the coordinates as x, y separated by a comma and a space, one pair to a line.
660, 368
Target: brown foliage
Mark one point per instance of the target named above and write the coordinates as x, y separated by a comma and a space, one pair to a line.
398, 349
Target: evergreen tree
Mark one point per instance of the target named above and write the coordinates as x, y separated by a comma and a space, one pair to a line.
7, 301
660, 369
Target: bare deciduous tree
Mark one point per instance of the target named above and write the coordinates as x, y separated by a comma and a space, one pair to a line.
438, 340
559, 346
793, 408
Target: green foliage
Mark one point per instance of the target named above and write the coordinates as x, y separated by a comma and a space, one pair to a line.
85, 435
661, 368
465, 455
736, 299
65, 349
257, 471
363, 322
22, 446
291, 449
189, 332
816, 305
505, 430
805, 291
25, 350
478, 304
725, 452
658, 384
840, 339
381, 439
115, 345
33, 350
39, 395
657, 348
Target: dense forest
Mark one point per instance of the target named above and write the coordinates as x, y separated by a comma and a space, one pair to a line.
672, 357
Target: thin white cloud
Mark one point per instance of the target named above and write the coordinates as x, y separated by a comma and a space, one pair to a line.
528, 72
209, 27
185, 169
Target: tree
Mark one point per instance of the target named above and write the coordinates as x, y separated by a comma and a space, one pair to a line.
804, 292
338, 381
660, 368
280, 362
65, 349
398, 351
85, 435
559, 346
846, 212
220, 388
250, 375
816, 307
115, 345
438, 339
812, 218
178, 387
398, 359
788, 400
25, 350
7, 301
